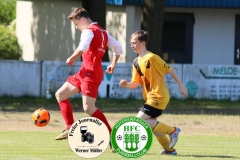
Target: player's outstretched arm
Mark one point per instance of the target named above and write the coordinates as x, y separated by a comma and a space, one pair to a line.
130, 85
77, 53
117, 51
110, 68
183, 89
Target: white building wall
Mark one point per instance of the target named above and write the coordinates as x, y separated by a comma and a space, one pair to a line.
116, 26
130, 23
23, 29
45, 33
214, 33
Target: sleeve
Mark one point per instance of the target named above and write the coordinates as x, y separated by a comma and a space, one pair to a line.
114, 45
161, 66
135, 76
85, 40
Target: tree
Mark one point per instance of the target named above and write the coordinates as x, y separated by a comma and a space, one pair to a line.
7, 11
97, 12
9, 47
152, 21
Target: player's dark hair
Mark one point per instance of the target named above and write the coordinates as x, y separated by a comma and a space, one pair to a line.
142, 36
78, 13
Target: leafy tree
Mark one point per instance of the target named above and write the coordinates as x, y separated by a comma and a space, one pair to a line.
7, 11
9, 47
152, 21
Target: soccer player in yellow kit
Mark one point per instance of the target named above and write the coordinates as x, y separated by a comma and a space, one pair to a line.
148, 70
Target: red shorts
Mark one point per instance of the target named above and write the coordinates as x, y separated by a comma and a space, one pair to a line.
87, 88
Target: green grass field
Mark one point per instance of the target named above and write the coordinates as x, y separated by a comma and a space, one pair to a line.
33, 145
209, 130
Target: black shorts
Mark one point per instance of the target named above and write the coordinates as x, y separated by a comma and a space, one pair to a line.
151, 111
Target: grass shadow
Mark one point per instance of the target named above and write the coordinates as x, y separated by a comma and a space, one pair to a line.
208, 156
188, 106
203, 156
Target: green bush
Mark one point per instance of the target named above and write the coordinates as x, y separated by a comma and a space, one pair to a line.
9, 47
7, 11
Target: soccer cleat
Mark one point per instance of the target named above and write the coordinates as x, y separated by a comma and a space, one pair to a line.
174, 137
63, 135
174, 153
111, 148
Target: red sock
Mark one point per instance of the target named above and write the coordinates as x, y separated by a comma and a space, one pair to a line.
98, 114
67, 112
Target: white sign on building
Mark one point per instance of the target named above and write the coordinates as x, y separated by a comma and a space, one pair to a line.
212, 81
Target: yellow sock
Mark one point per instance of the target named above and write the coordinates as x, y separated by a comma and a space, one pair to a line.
164, 142
163, 128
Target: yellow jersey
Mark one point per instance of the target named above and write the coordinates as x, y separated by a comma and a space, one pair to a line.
154, 90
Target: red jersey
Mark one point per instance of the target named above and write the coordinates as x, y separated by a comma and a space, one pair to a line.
91, 69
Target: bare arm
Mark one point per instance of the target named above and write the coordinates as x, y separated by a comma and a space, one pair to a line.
117, 51
110, 68
130, 85
77, 53
183, 90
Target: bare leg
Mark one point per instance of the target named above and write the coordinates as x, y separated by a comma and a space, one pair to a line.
62, 96
151, 121
89, 104
90, 108
66, 91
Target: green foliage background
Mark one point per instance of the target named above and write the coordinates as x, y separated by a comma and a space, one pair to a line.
7, 11
9, 47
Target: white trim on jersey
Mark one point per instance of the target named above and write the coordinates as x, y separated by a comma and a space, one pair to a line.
87, 36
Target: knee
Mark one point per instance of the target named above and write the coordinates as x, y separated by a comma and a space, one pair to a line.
86, 108
59, 96
158, 134
89, 109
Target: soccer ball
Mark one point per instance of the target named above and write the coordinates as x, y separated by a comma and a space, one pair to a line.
119, 137
41, 117
144, 137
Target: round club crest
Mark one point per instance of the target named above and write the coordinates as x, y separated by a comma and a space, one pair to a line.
131, 137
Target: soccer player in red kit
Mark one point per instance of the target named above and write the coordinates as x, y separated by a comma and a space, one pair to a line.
94, 41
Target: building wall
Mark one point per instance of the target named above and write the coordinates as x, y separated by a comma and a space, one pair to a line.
45, 32
23, 30
214, 33
116, 26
